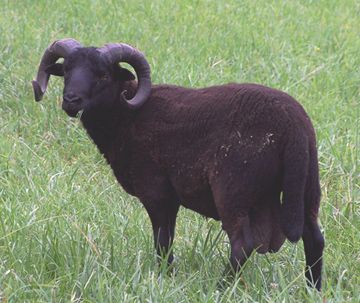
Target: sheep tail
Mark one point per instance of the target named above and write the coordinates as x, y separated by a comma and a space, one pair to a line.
312, 189
296, 167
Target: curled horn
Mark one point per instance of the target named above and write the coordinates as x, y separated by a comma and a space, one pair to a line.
57, 49
120, 52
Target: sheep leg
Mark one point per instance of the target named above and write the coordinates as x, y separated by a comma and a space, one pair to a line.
313, 246
163, 222
241, 242
233, 207
242, 246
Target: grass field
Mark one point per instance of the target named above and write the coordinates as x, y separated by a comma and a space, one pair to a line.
68, 233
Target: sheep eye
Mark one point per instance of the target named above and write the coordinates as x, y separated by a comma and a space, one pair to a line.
103, 78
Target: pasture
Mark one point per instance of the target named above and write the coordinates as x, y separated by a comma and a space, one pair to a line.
69, 233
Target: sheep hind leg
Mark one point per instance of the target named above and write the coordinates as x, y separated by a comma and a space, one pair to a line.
242, 244
313, 246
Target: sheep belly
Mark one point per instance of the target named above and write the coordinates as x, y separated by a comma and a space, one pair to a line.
202, 203
194, 193
265, 229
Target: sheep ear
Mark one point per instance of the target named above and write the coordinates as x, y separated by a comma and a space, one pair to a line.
55, 69
124, 74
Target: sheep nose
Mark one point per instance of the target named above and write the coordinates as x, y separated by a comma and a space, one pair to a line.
71, 98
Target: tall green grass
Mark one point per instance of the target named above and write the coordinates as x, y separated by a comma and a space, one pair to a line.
68, 233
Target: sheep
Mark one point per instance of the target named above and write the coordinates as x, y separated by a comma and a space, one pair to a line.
244, 154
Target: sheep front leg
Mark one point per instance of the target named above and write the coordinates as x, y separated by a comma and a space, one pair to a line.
163, 220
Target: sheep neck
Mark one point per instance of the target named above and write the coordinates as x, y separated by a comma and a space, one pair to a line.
109, 126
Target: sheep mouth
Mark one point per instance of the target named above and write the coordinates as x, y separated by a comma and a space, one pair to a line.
71, 110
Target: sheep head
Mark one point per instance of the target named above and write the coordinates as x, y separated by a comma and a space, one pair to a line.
93, 76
